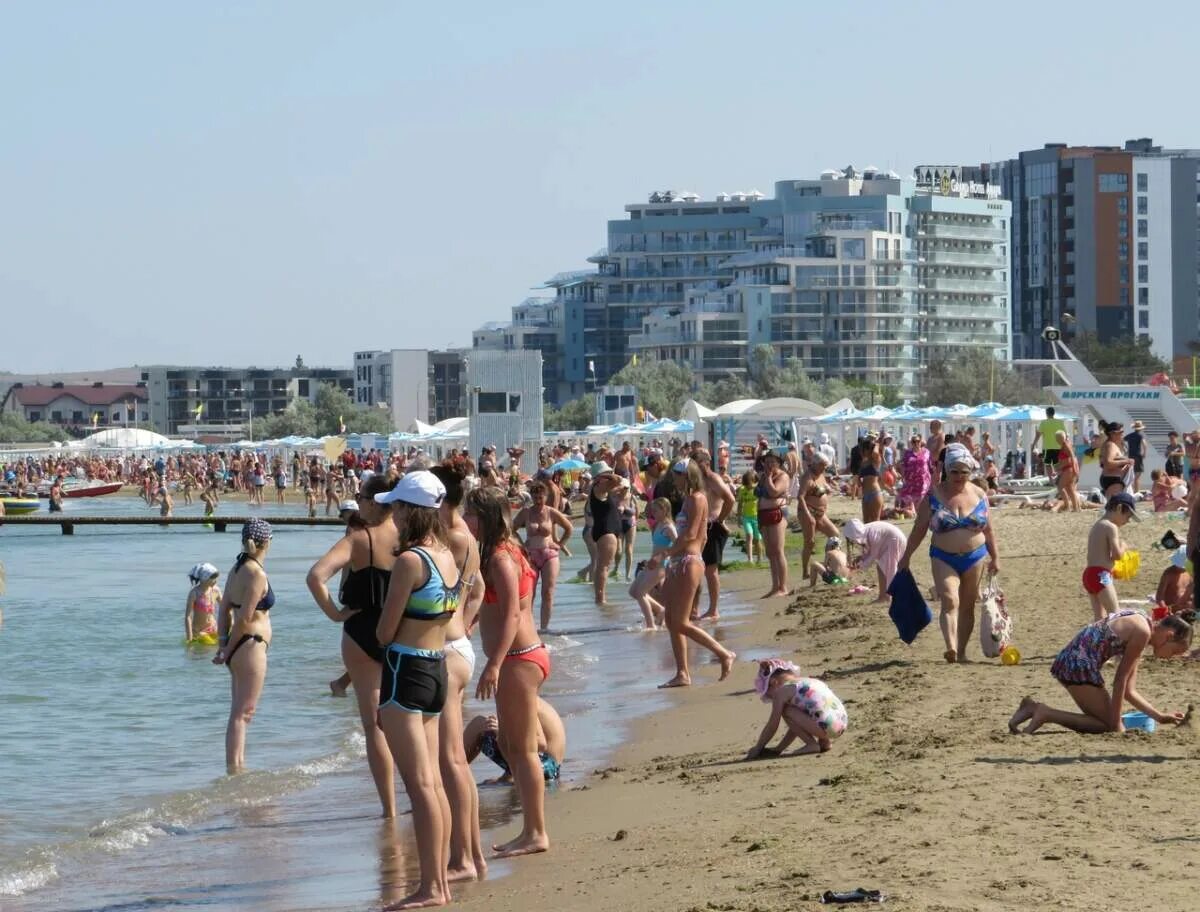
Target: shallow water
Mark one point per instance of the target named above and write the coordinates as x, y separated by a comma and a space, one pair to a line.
112, 785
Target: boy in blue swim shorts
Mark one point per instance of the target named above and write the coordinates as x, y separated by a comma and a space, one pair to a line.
482, 736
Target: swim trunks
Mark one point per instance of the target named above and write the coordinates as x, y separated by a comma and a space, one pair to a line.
1096, 579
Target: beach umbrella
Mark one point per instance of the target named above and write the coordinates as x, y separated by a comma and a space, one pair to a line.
987, 411
568, 465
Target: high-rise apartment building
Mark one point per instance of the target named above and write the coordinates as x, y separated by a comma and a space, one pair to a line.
864, 276
1104, 239
414, 384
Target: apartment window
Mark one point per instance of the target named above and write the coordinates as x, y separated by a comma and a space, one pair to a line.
36, 416
1143, 205
881, 248
1143, 273
1114, 183
302, 389
56, 416
1124, 270
854, 249
77, 416
1123, 251
1123, 228
1143, 227
1124, 296
1143, 319
1143, 250
1123, 206
1143, 183
1143, 297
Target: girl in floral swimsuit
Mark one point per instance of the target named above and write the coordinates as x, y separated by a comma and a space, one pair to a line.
538, 520
1125, 634
810, 709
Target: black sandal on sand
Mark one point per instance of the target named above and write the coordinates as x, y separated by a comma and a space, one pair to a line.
854, 896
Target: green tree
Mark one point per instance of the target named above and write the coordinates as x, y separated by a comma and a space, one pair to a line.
298, 419
727, 389
663, 386
972, 376
334, 407
15, 429
1127, 360
573, 416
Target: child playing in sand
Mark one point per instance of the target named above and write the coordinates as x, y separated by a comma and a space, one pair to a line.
1174, 586
1103, 549
811, 711
200, 610
747, 506
836, 569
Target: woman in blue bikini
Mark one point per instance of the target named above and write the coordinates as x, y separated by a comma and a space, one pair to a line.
868, 477
956, 512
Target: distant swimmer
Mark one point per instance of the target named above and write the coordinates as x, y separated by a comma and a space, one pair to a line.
200, 611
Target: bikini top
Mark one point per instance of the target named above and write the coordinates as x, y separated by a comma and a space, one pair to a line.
202, 604
816, 490
366, 589
435, 598
868, 471
945, 520
526, 575
267, 602
659, 537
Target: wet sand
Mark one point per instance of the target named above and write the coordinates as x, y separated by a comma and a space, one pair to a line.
926, 797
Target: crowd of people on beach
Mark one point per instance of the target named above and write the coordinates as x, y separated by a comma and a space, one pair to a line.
433, 552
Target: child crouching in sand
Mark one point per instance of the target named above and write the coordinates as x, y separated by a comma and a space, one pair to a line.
836, 569
811, 711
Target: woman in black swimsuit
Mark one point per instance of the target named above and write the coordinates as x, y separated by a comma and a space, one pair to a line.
606, 526
366, 553
245, 621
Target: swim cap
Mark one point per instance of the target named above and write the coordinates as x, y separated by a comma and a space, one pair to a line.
256, 530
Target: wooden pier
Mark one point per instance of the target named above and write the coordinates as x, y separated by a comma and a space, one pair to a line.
217, 523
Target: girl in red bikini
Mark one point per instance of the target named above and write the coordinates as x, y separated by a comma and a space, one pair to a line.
517, 660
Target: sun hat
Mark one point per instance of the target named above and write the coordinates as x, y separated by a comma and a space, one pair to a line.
854, 531
203, 571
1138, 426
600, 467
767, 668
347, 506
1123, 499
256, 530
420, 489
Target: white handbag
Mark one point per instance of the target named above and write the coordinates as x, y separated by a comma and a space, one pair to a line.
995, 623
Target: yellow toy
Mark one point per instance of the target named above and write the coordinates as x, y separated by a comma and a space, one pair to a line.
1010, 656
1127, 565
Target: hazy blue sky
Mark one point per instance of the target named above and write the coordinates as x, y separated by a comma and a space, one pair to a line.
242, 183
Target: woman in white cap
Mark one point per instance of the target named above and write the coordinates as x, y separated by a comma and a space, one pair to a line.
424, 593
245, 621
685, 571
364, 557
606, 526
957, 514
200, 613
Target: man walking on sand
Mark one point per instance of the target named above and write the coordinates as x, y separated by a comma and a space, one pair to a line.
720, 504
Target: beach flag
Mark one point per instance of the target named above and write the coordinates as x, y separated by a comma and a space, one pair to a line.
341, 425
633, 360
199, 409
95, 420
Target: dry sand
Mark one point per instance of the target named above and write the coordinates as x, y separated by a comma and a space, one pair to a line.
926, 797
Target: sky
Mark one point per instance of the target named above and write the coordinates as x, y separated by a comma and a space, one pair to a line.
242, 183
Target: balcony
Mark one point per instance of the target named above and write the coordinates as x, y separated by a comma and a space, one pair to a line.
957, 258
964, 285
677, 246
983, 313
962, 232
646, 297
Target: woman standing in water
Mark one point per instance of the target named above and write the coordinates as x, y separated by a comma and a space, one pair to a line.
772, 492
684, 573
423, 595
245, 620
366, 552
606, 526
517, 660
538, 520
466, 859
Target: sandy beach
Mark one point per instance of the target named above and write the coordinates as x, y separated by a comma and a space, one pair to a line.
927, 797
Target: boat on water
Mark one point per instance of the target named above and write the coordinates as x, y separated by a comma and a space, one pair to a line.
87, 489
17, 506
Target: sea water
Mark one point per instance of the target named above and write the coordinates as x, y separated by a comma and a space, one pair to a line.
112, 785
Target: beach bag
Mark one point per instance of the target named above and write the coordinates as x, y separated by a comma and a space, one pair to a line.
995, 624
908, 612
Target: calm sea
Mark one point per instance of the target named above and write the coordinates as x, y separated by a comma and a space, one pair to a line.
112, 786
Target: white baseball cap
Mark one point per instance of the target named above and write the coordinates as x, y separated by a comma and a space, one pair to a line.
347, 506
421, 489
